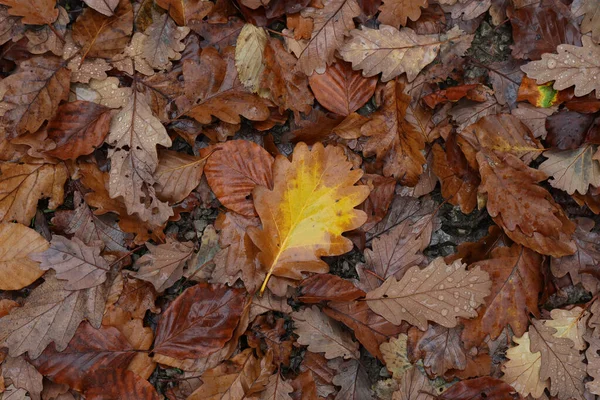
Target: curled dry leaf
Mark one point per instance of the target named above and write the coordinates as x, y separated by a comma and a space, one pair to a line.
234, 169
177, 174
393, 139
572, 66
17, 242
525, 210
199, 322
572, 170
22, 185
438, 293
323, 335
303, 217
342, 90
57, 310
163, 266
330, 24
32, 94
80, 265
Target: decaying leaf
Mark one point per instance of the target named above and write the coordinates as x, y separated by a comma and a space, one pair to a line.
17, 242
395, 354
299, 225
438, 293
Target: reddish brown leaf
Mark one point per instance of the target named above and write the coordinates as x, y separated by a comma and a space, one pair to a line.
34, 12
540, 27
341, 89
177, 174
118, 384
525, 210
382, 193
32, 94
234, 170
484, 388
78, 129
199, 322
370, 329
327, 287
89, 351
516, 284
475, 92
102, 36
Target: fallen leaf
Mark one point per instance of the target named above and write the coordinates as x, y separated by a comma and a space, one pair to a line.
522, 370
234, 170
58, 310
591, 21
80, 265
390, 51
17, 270
539, 28
104, 36
395, 354
323, 335
505, 77
34, 12
354, 382
177, 175
397, 12
163, 42
535, 118
32, 94
468, 112
118, 384
106, 7
441, 349
199, 322
342, 90
22, 185
370, 329
572, 170
564, 73
330, 24
415, 386
480, 388
438, 293
525, 210
277, 389
134, 134
163, 265
249, 50
393, 140
185, 12
559, 360
327, 287
213, 84
290, 243
78, 128
88, 351
570, 324
516, 284
467, 9
12, 27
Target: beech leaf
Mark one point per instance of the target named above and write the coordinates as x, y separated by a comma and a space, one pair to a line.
438, 293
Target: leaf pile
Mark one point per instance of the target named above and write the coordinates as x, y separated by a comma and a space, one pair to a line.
277, 200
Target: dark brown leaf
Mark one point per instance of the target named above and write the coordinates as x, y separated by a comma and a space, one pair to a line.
327, 287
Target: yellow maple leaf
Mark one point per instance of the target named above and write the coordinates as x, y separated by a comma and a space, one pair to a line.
303, 217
